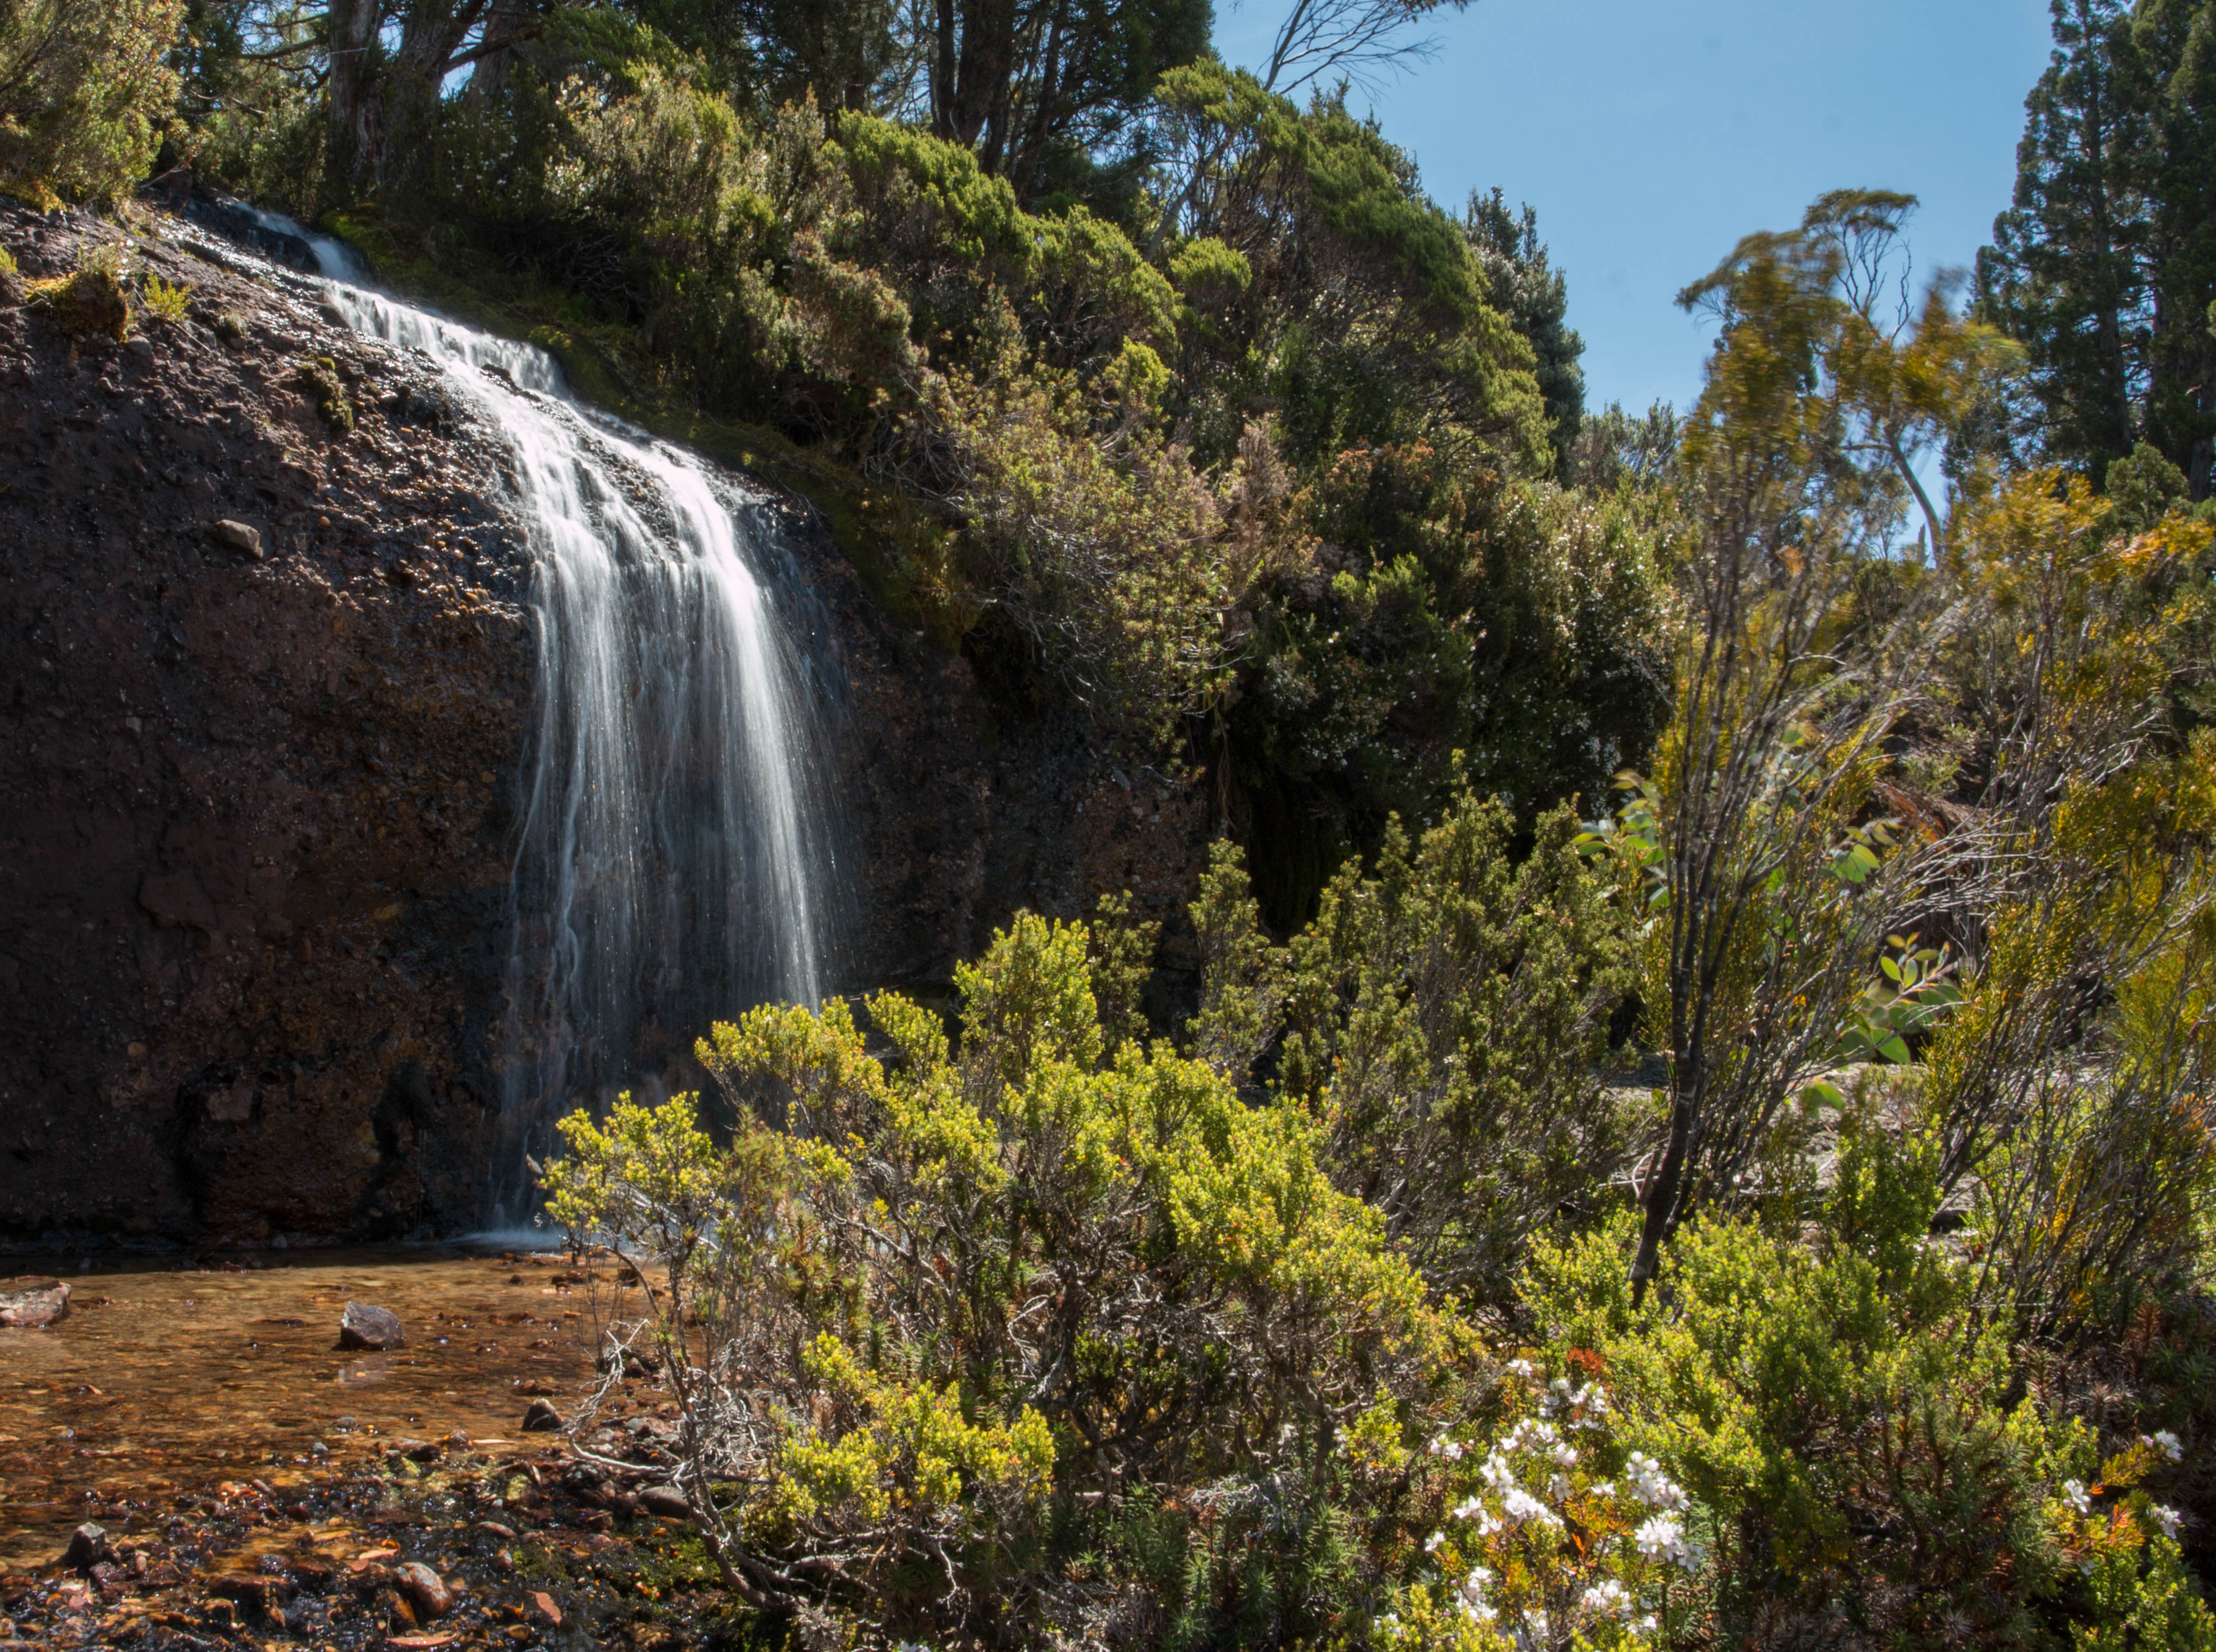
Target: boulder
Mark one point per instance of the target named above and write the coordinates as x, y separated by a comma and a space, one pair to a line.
667, 1502
29, 1302
364, 1325
541, 1418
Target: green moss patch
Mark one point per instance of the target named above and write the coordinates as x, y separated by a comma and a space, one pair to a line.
319, 379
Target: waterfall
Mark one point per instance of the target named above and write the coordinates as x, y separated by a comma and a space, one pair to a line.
670, 850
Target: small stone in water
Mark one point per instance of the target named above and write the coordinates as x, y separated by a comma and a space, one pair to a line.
541, 1418
87, 1547
365, 1325
29, 1302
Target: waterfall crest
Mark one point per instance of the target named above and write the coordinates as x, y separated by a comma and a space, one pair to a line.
671, 848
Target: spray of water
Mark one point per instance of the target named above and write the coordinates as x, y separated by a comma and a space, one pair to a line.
671, 850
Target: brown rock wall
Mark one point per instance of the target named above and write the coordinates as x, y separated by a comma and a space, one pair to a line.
254, 814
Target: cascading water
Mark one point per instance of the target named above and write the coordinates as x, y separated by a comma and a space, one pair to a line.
671, 849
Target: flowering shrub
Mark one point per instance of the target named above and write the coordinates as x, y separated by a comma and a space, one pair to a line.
2124, 1544
1556, 1537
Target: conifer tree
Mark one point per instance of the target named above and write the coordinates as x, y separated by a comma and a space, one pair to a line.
2105, 265
1534, 296
2067, 271
2179, 36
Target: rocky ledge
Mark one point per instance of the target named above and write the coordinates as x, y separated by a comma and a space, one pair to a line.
263, 687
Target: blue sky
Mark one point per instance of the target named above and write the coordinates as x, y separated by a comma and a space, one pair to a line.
1650, 136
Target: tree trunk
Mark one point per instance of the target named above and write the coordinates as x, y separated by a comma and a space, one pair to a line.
353, 131
982, 70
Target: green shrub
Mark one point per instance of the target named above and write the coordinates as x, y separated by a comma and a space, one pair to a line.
90, 303
165, 300
1113, 1359
1861, 1457
1446, 1018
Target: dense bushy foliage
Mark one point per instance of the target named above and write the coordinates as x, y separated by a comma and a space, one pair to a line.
1022, 1325
1244, 444
1882, 1320
85, 91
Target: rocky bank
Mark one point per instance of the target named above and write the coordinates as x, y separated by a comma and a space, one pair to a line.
256, 803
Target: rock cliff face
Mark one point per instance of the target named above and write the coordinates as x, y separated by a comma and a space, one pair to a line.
256, 809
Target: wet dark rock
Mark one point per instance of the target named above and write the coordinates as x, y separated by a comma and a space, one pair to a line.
667, 1502
236, 221
87, 1547
31, 1302
365, 1325
541, 1418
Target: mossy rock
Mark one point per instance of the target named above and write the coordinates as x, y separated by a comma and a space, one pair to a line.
91, 303
320, 379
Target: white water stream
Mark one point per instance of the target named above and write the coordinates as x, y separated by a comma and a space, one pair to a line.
670, 850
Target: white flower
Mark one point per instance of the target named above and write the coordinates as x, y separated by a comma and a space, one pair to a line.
1646, 1625
1519, 1505
1606, 1599
1523, 1368
2168, 1518
1662, 1538
2165, 1442
1450, 1449
1497, 1474
2073, 1492
1469, 1509
1472, 1591
1431, 1543
1651, 1486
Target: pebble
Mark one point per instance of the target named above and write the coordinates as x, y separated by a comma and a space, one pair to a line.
541, 1418
87, 1547
240, 537
431, 1597
666, 1500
